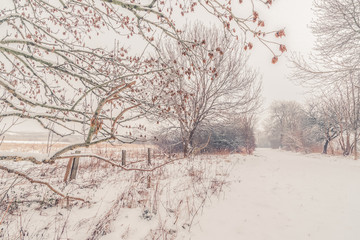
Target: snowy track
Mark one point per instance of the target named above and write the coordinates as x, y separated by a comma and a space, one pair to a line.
282, 195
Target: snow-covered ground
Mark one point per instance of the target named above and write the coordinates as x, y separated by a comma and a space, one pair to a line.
283, 195
271, 195
119, 204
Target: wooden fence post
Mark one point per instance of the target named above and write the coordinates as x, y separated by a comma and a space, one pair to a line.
149, 181
123, 157
75, 166
149, 156
71, 168
149, 163
68, 169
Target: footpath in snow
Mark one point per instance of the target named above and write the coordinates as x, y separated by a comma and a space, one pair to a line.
282, 195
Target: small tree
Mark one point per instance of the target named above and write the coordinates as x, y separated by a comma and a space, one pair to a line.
322, 117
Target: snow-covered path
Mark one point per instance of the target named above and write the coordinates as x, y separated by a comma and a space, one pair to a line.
282, 195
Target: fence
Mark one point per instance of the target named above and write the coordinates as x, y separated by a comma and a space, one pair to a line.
73, 165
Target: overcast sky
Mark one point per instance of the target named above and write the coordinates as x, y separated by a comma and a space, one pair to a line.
295, 16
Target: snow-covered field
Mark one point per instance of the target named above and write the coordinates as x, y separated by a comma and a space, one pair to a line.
271, 195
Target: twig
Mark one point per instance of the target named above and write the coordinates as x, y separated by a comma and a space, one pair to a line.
39, 182
7, 209
7, 190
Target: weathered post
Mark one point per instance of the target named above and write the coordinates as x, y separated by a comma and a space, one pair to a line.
149, 156
149, 164
75, 166
71, 168
123, 157
149, 181
68, 169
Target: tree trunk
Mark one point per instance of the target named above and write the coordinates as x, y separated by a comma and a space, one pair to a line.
185, 148
188, 143
281, 140
348, 145
345, 145
355, 146
325, 146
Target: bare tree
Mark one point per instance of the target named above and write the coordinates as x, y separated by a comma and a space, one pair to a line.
338, 116
281, 114
336, 28
333, 69
322, 115
49, 73
52, 72
348, 113
211, 83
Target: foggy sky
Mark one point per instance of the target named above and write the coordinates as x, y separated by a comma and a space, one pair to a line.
295, 16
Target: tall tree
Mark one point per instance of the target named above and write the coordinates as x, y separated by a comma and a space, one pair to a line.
211, 83
334, 68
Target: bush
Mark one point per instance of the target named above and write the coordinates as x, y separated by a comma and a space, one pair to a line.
236, 135
233, 136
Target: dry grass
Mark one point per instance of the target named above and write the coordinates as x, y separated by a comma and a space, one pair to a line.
103, 148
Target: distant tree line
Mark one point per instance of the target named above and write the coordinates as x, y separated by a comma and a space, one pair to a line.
328, 124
